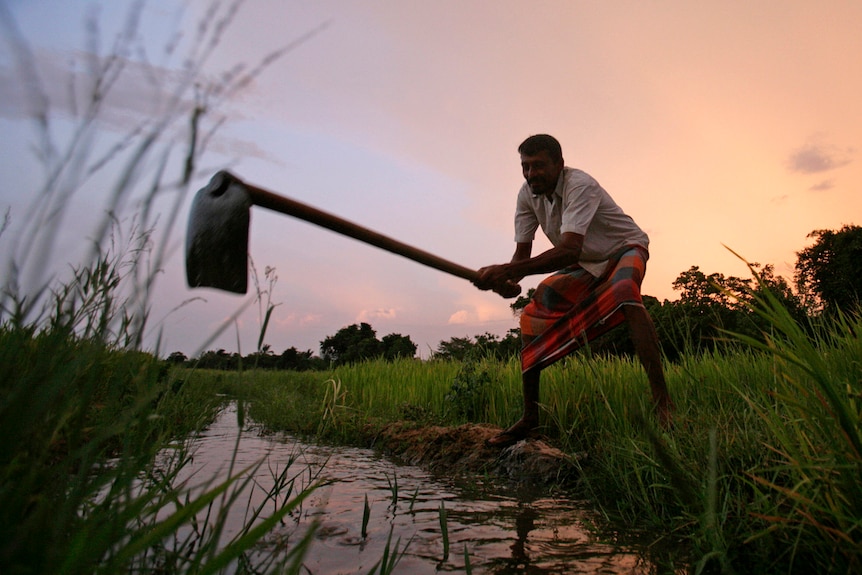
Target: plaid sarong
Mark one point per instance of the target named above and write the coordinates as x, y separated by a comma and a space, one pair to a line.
572, 307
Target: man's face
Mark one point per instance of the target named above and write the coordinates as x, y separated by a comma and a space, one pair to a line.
541, 172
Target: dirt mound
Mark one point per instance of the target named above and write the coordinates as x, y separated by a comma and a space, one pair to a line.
462, 450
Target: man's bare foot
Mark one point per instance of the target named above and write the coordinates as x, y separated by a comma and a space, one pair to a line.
521, 430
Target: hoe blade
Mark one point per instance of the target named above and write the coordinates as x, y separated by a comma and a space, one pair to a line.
217, 236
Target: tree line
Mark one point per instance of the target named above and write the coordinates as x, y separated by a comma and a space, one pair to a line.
351, 344
827, 281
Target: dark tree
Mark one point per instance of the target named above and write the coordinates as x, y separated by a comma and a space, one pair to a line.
457, 348
177, 357
351, 344
296, 360
358, 342
396, 345
485, 345
778, 287
521, 302
265, 358
218, 360
501, 348
829, 273
711, 307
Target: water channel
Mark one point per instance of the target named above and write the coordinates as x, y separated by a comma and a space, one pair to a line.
497, 528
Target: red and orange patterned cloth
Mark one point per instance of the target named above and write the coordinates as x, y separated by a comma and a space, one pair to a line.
572, 307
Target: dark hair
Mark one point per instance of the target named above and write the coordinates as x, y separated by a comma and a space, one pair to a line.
541, 143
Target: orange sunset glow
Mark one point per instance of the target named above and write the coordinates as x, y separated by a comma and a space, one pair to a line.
714, 124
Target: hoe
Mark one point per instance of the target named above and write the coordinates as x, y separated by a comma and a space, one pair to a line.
217, 235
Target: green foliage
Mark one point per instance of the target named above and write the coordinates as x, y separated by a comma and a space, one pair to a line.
522, 301
67, 408
219, 359
292, 358
467, 396
366, 515
829, 273
177, 358
487, 344
93, 448
391, 557
358, 342
710, 305
810, 497
396, 346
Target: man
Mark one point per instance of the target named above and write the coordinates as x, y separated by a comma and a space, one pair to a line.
598, 258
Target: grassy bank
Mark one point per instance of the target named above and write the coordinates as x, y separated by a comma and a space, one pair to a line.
761, 472
94, 440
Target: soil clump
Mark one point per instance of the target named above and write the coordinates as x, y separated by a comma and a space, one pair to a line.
461, 450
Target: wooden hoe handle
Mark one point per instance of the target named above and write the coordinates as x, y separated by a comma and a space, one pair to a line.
284, 205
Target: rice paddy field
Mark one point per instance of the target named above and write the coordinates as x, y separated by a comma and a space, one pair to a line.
760, 473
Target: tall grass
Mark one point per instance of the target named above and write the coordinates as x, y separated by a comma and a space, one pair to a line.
89, 463
95, 431
809, 496
760, 473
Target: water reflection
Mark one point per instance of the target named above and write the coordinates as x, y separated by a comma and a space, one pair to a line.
497, 529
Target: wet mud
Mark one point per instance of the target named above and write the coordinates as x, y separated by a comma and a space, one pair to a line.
461, 450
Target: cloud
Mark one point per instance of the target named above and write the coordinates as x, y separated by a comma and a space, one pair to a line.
301, 320
133, 95
461, 317
63, 81
816, 157
823, 186
367, 315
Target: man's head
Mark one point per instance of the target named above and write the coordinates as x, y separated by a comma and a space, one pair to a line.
541, 162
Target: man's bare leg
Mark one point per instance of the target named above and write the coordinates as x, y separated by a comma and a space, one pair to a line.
530, 420
645, 340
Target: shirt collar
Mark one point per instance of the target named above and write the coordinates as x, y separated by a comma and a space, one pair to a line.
558, 191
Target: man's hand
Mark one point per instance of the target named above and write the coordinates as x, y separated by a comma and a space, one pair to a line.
508, 290
496, 278
490, 277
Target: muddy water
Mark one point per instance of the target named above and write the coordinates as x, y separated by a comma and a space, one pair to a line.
497, 529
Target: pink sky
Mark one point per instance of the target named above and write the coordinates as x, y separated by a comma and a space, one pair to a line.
711, 123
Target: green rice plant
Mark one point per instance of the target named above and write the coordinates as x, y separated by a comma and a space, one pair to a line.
393, 489
444, 529
503, 399
204, 550
468, 568
375, 394
334, 405
366, 515
391, 557
387, 391
287, 401
413, 500
810, 495
89, 471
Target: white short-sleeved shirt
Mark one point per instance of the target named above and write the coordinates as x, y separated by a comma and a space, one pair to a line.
578, 205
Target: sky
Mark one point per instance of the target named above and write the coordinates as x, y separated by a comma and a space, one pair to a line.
716, 125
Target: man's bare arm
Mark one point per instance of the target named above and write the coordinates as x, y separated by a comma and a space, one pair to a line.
558, 257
